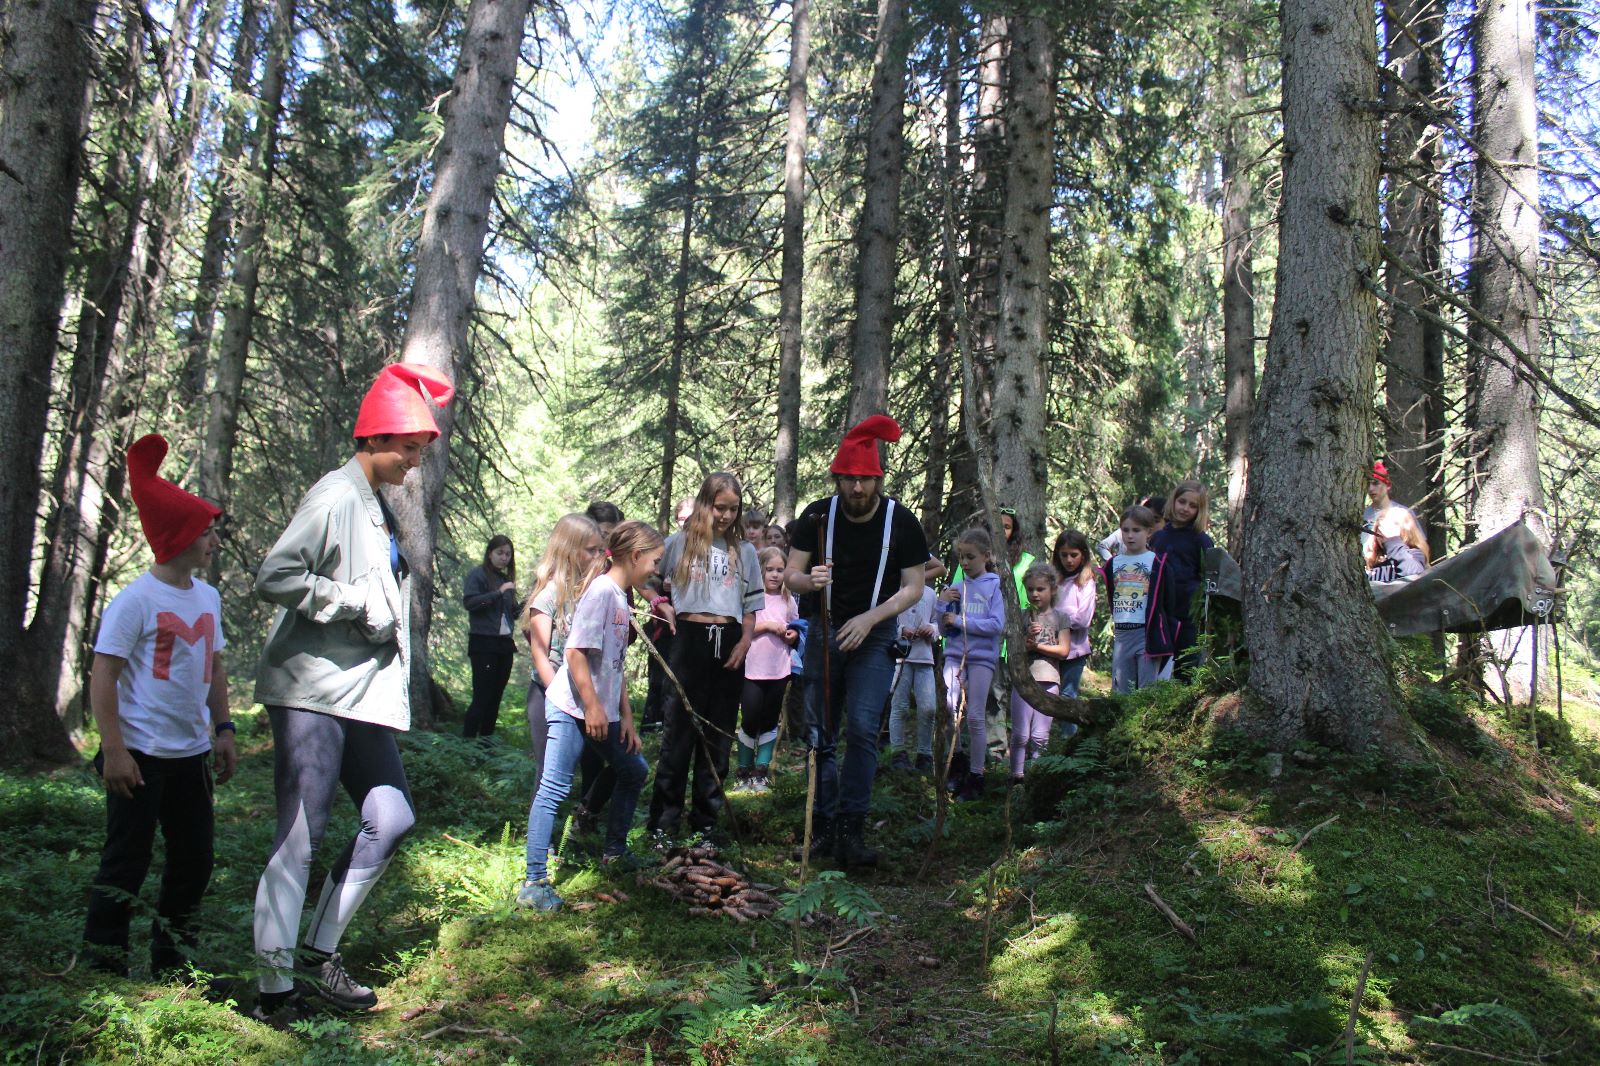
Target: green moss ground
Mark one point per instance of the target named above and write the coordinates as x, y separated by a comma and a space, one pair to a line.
1464, 872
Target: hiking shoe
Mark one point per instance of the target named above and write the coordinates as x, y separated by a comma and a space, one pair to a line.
333, 983
283, 1017
900, 763
823, 837
924, 764
851, 847
539, 896
626, 862
759, 783
971, 788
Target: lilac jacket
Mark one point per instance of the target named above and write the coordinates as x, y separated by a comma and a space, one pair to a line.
1077, 603
979, 640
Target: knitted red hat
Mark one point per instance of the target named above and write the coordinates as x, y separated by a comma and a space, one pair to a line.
172, 519
399, 401
858, 452
1381, 473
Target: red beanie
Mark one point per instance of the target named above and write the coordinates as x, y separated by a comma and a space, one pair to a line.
399, 400
172, 519
1381, 473
858, 452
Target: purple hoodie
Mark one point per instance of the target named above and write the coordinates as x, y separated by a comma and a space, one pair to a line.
985, 606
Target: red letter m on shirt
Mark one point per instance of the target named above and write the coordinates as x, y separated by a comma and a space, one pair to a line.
170, 629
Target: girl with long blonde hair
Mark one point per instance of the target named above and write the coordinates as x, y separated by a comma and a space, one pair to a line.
571, 556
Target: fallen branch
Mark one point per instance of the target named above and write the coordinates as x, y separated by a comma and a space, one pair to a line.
1169, 914
1355, 1009
849, 938
1483, 1054
1552, 930
1302, 842
497, 1034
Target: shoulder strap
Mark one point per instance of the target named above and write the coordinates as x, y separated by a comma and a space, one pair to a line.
883, 553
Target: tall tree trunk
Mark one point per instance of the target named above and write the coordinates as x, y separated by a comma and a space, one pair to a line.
680, 337
1238, 278
449, 258
983, 272
1317, 669
1022, 467
1502, 400
945, 354
224, 204
791, 286
1414, 352
238, 316
877, 241
44, 53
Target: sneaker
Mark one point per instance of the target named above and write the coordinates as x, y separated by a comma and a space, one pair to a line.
539, 896
901, 762
330, 980
283, 1017
662, 841
760, 784
626, 862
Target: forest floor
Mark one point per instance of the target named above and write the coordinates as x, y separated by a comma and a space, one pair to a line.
1452, 889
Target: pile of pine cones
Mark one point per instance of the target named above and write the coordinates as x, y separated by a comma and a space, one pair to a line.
695, 876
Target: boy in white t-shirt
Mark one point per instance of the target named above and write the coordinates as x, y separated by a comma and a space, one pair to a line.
159, 692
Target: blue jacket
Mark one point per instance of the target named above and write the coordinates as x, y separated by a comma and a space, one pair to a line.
1185, 548
1162, 623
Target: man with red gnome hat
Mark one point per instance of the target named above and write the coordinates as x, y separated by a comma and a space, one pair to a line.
865, 554
334, 678
159, 693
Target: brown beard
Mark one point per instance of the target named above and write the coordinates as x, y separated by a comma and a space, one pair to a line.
856, 510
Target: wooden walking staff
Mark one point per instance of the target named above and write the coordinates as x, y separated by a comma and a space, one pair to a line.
827, 698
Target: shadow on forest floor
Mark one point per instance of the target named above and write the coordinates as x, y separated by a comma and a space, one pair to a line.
1463, 877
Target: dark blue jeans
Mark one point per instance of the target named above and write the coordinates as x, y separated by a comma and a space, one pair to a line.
859, 681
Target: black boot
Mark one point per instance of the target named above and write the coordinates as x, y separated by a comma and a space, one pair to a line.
823, 834
971, 788
852, 848
959, 764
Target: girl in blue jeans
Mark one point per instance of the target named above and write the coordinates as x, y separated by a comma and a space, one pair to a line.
588, 700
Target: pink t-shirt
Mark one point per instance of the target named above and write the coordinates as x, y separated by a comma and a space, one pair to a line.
768, 658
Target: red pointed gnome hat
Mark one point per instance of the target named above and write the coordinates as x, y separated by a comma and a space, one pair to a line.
1380, 472
400, 401
858, 452
172, 519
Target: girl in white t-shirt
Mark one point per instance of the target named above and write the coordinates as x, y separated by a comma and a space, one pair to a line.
575, 546
588, 703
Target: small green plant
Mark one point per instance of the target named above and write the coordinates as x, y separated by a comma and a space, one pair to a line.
831, 890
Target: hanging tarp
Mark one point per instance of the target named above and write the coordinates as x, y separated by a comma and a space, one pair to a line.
1500, 583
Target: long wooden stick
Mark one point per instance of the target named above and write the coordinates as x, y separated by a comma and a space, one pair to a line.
827, 713
1168, 913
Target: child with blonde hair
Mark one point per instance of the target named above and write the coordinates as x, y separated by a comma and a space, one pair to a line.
574, 547
1048, 645
973, 618
1183, 540
766, 673
588, 703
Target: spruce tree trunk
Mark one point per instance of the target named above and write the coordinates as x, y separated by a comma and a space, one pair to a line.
1502, 400
1021, 461
239, 312
983, 270
224, 201
946, 356
45, 56
791, 286
1238, 280
877, 240
1317, 668
1414, 352
449, 258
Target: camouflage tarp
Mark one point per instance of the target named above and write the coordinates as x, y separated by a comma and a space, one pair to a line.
1500, 583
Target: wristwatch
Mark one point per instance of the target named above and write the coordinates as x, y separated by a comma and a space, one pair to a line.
225, 727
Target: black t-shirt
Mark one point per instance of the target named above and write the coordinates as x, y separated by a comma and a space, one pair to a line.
856, 549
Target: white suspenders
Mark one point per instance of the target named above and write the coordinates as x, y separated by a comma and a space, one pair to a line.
883, 551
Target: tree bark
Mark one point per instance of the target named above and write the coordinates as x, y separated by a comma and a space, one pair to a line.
44, 53
877, 240
982, 301
945, 354
224, 206
1414, 351
1238, 279
1502, 399
1317, 669
791, 285
238, 316
449, 258
1022, 466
